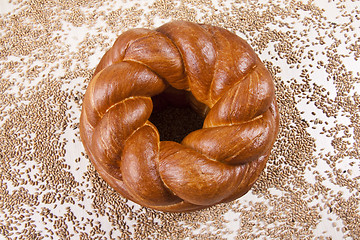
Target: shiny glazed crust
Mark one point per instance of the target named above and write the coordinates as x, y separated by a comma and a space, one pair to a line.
224, 80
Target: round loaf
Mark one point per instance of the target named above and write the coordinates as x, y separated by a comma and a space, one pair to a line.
223, 79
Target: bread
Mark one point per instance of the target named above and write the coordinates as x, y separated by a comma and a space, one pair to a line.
224, 79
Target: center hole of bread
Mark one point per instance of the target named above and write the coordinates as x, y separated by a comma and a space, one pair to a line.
174, 118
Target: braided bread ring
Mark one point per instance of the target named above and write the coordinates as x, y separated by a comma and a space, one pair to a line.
224, 79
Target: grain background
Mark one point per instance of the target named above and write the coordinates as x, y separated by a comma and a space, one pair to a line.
310, 187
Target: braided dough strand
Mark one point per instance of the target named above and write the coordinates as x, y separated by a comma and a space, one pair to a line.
223, 79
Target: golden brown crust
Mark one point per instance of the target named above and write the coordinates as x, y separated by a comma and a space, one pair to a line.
223, 79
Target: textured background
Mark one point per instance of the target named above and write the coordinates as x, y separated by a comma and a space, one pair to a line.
310, 187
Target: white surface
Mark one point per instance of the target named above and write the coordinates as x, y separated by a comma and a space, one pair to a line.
71, 39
